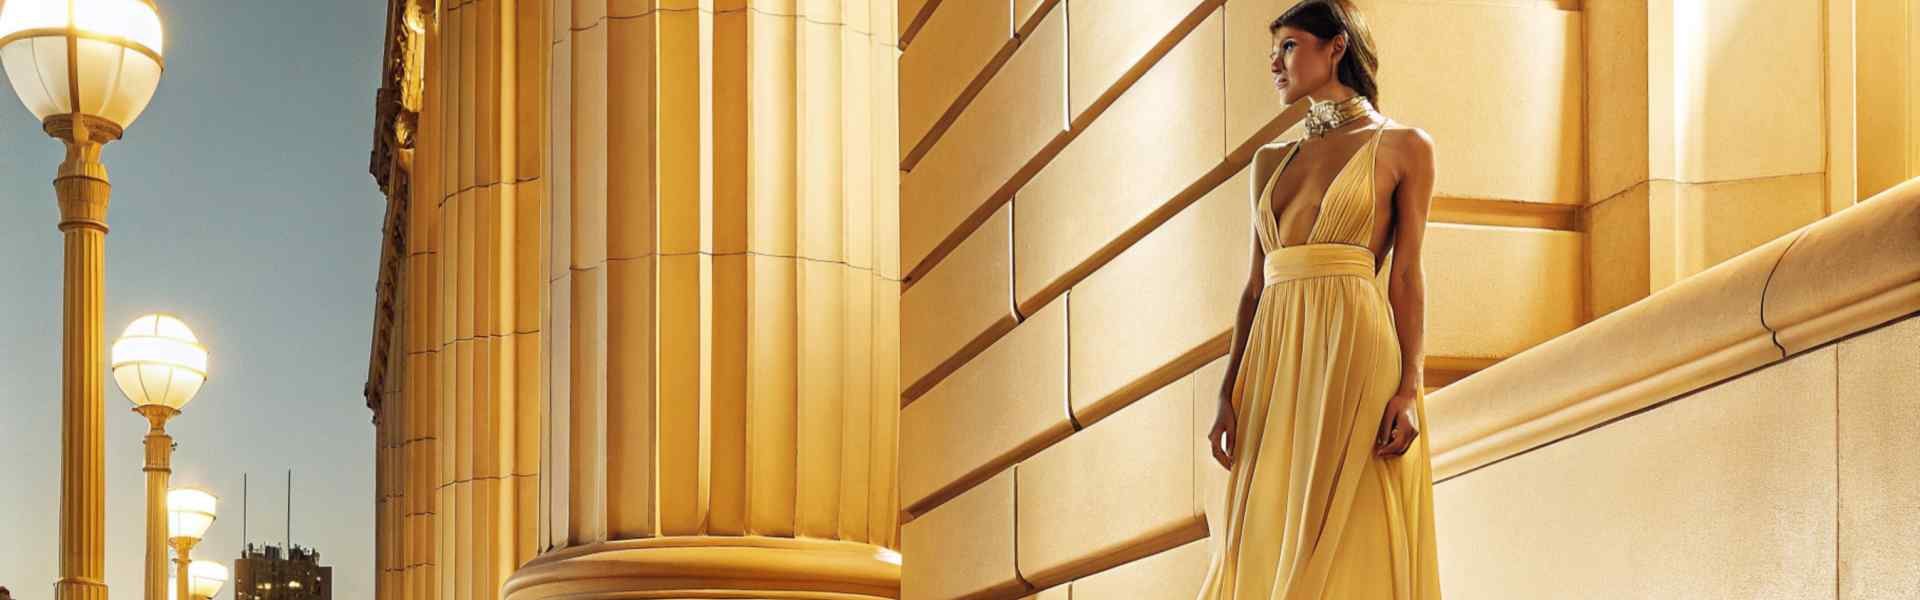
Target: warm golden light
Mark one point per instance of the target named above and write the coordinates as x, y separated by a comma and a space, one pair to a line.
189, 513
205, 578
116, 47
133, 20
158, 361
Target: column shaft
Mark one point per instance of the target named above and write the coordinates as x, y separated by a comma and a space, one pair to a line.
662, 230
182, 557
719, 415
159, 468
83, 191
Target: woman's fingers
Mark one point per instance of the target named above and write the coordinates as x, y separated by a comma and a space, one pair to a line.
1388, 424
1381, 433
1401, 440
1407, 443
1215, 440
1393, 439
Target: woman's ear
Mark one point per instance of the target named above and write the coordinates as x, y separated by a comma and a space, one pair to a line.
1339, 42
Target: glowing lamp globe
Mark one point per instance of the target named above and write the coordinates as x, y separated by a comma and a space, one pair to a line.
205, 578
157, 361
92, 57
189, 513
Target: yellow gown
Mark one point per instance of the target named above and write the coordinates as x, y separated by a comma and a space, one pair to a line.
1311, 512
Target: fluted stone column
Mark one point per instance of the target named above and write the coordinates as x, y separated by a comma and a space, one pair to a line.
644, 342
472, 285
720, 408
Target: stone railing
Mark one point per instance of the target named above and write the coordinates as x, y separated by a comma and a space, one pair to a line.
1851, 271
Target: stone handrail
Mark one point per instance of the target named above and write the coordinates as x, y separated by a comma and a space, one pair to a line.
1848, 272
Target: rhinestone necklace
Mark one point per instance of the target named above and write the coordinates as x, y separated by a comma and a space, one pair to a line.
1323, 117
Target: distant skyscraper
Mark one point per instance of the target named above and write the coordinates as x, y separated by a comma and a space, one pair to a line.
268, 573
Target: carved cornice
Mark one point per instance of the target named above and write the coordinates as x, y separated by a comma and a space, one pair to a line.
396, 114
397, 102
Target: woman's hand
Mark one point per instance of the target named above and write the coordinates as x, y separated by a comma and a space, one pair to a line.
1221, 438
1398, 427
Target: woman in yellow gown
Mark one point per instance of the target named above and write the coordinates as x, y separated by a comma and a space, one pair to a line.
1330, 493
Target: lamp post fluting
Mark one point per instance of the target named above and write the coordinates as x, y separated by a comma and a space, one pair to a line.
159, 469
86, 69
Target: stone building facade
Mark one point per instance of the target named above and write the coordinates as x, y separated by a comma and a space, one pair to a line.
928, 299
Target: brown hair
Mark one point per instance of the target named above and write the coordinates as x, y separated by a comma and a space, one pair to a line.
1328, 18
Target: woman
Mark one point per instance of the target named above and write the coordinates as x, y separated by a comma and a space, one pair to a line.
1330, 491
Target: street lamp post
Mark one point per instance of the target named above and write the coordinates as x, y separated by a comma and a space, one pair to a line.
159, 365
189, 513
208, 577
86, 69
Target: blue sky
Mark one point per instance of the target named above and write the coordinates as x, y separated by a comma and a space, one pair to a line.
242, 203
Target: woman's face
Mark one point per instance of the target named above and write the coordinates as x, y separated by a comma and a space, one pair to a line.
1302, 63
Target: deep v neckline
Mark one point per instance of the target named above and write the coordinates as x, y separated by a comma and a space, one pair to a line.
1266, 194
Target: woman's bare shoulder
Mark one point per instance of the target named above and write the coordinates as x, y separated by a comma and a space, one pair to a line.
1265, 159
1267, 154
1272, 149
1408, 138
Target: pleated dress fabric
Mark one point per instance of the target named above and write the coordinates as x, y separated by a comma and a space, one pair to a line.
1311, 512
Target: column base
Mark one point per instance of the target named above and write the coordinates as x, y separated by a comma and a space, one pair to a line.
711, 567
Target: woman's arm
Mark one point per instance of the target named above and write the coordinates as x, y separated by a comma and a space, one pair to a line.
1256, 271
1407, 293
1222, 434
1407, 286
1243, 321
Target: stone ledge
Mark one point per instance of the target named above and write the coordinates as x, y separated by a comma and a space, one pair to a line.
1845, 273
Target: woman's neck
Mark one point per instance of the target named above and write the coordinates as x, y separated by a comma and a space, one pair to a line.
1325, 117
1332, 92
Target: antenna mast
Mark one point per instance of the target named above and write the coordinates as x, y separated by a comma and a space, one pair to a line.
289, 513
243, 513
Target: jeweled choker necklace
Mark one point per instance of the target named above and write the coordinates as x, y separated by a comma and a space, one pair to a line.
1323, 117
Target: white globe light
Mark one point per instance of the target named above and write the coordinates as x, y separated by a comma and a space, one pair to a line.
158, 362
205, 578
189, 513
94, 57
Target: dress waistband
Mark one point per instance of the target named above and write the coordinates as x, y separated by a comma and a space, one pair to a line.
1318, 260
